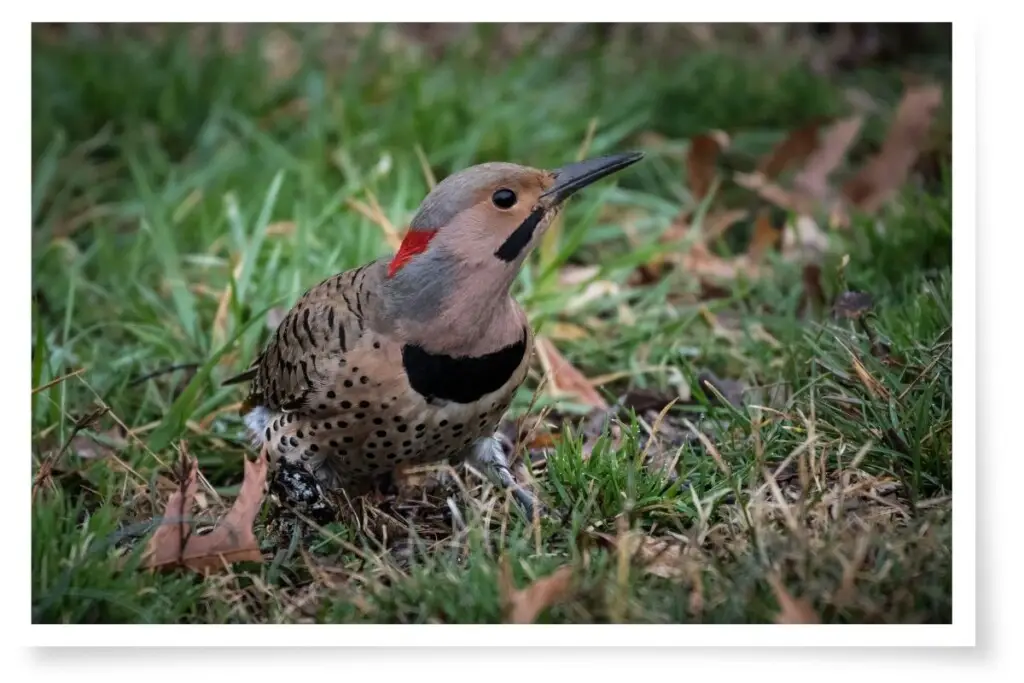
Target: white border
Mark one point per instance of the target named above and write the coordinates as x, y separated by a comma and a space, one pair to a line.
17, 186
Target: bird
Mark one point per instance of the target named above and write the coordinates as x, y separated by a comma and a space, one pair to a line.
413, 358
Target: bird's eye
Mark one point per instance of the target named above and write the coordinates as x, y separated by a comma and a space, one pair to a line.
504, 198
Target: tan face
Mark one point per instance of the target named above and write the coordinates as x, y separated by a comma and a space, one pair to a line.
504, 219
490, 216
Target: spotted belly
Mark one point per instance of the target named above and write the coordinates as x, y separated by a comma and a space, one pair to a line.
362, 441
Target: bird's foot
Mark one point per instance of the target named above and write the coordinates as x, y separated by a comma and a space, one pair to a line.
300, 491
488, 456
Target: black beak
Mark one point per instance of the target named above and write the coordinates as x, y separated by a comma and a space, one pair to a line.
573, 177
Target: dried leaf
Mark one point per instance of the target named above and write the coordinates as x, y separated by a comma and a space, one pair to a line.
700, 161
232, 540
803, 236
791, 610
564, 380
700, 262
776, 194
718, 222
766, 236
810, 189
812, 180
168, 542
793, 150
524, 606
882, 176
813, 295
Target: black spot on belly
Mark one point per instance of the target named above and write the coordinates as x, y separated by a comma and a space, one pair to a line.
461, 380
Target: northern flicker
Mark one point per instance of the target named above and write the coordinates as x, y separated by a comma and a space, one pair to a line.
414, 358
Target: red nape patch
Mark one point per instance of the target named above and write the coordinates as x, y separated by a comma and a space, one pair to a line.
415, 242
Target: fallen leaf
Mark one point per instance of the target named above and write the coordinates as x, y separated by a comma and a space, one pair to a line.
810, 189
716, 223
791, 610
524, 606
700, 161
793, 150
700, 262
766, 236
168, 542
774, 193
812, 180
813, 295
695, 257
882, 176
803, 236
232, 540
564, 380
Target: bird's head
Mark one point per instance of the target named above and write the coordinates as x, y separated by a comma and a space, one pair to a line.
451, 276
489, 217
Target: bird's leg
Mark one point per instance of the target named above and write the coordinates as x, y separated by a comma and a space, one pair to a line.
487, 455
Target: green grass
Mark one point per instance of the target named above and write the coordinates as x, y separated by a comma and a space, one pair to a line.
157, 171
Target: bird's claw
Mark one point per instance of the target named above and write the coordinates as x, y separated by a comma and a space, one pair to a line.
488, 456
